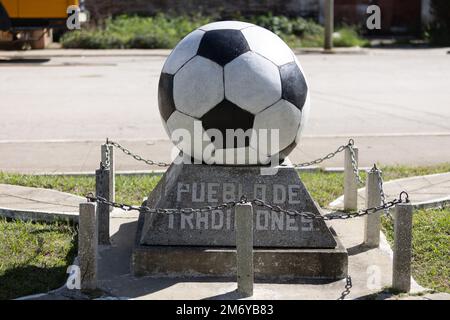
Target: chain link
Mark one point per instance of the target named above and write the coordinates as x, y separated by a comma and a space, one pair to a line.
257, 202
136, 156
333, 215
380, 187
309, 215
341, 148
354, 162
107, 163
348, 286
327, 157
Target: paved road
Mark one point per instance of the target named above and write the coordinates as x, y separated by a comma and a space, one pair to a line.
394, 102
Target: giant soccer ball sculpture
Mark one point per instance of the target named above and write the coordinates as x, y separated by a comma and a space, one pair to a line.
233, 75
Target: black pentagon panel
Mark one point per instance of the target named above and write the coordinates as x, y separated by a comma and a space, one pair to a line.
222, 46
165, 95
227, 115
293, 84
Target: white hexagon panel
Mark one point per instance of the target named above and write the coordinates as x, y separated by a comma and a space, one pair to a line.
252, 82
283, 117
198, 87
268, 45
187, 49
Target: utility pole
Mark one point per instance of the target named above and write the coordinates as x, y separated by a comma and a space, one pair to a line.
329, 24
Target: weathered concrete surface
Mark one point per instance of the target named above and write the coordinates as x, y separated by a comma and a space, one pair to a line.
196, 243
116, 281
88, 245
198, 185
102, 186
244, 248
401, 276
115, 278
372, 223
38, 204
276, 264
424, 191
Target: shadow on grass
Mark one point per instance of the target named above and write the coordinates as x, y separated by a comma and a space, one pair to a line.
24, 61
28, 279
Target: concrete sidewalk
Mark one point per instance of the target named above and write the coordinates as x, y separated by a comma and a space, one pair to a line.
38, 204
424, 191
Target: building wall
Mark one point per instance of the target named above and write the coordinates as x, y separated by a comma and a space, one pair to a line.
103, 8
396, 15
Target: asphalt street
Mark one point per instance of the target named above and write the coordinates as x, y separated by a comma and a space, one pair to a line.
395, 103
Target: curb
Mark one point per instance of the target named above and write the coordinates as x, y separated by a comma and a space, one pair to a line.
39, 215
430, 204
54, 216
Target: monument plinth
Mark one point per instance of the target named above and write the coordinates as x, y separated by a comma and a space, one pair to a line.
204, 243
233, 96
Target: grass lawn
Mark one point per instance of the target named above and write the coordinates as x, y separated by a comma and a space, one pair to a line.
46, 250
34, 257
431, 247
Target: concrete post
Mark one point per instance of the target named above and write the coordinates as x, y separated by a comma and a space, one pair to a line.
350, 183
401, 269
88, 245
329, 24
372, 223
102, 186
112, 170
244, 248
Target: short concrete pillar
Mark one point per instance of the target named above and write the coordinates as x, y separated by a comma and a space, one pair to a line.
350, 182
102, 186
329, 24
88, 245
401, 270
105, 149
244, 248
372, 223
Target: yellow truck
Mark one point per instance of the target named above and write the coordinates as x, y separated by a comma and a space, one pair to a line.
32, 20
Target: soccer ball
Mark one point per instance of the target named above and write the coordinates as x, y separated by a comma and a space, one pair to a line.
233, 76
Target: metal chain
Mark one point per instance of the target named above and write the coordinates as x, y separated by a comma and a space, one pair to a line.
107, 163
354, 163
298, 165
256, 202
334, 215
348, 286
136, 156
126, 207
328, 156
380, 187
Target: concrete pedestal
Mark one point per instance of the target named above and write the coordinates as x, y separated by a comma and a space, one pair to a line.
204, 243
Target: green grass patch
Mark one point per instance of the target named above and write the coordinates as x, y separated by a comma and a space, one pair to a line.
164, 32
348, 37
34, 257
431, 247
327, 186
130, 189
